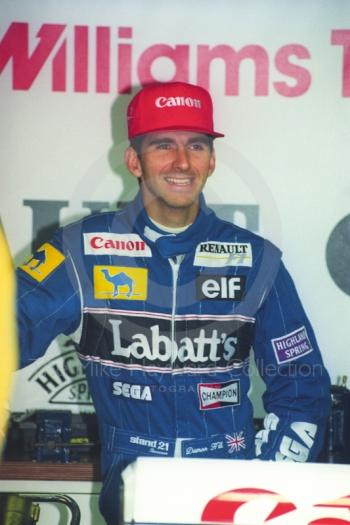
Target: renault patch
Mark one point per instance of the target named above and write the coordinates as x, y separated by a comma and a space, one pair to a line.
43, 262
217, 254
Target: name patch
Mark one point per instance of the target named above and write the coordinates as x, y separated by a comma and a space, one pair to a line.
292, 346
218, 395
106, 243
221, 287
217, 254
120, 282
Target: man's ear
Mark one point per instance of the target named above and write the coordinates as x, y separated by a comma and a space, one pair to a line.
132, 162
212, 163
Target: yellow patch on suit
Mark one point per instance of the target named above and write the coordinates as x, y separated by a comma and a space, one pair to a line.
43, 262
120, 282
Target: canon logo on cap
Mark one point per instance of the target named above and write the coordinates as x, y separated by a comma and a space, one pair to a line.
163, 102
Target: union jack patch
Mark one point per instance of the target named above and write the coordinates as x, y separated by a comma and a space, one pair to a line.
235, 442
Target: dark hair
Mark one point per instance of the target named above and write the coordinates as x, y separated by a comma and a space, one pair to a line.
136, 143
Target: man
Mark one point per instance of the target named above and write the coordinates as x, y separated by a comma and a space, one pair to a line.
166, 301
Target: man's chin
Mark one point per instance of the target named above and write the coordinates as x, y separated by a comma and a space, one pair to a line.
181, 203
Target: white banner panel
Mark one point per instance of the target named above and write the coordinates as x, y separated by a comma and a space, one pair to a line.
279, 74
213, 491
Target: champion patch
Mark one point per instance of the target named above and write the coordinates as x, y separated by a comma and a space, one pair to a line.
43, 262
217, 254
218, 395
106, 243
120, 282
292, 346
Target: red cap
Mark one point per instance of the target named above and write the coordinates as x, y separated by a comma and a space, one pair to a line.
171, 106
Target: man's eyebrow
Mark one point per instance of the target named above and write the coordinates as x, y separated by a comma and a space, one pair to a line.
200, 138
154, 142
168, 140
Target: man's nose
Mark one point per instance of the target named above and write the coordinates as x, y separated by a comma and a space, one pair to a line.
181, 159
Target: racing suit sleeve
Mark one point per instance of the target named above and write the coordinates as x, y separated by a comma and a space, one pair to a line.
48, 300
297, 397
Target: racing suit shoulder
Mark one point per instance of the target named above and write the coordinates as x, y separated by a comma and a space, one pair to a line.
265, 257
104, 221
224, 229
101, 219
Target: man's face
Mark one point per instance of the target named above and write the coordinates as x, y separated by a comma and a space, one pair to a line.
173, 167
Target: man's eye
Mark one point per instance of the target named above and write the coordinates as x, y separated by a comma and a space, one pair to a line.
197, 146
163, 145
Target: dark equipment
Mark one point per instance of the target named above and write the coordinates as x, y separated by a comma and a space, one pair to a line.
54, 436
23, 509
337, 438
54, 431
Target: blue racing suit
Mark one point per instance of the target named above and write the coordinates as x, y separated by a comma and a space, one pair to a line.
165, 325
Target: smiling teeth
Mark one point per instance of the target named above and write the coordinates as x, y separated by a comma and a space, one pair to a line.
181, 182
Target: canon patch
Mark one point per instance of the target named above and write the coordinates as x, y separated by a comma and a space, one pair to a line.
122, 244
226, 287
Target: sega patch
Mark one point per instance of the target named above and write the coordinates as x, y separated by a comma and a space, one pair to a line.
218, 254
120, 283
292, 346
218, 395
43, 262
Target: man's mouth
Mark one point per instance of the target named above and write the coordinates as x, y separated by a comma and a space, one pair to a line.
183, 181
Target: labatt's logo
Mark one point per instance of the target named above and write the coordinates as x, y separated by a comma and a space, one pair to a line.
206, 348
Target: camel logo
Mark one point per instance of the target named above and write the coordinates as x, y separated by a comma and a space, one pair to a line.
43, 262
120, 282
36, 260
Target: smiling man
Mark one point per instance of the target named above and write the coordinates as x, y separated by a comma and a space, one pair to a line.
166, 302
171, 150
173, 168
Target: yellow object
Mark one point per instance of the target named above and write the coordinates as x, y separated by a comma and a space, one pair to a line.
18, 510
44, 261
8, 350
120, 282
